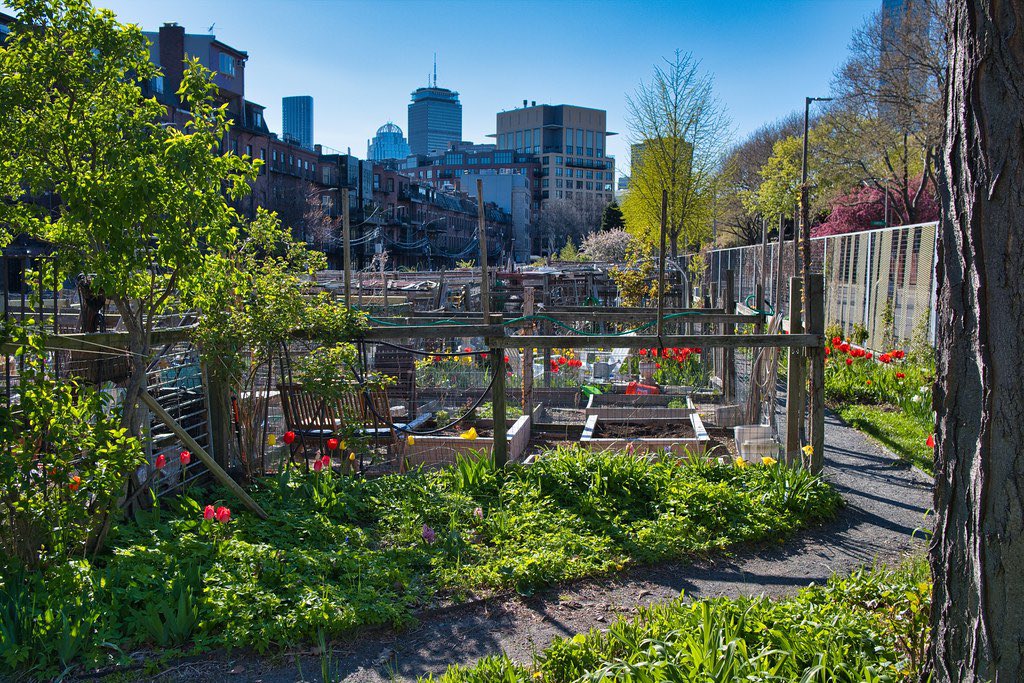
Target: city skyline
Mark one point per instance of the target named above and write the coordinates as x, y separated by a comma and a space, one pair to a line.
760, 54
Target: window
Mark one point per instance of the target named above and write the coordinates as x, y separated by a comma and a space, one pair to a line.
234, 145
391, 185
227, 64
536, 140
568, 139
558, 182
579, 172
568, 194
275, 156
579, 140
501, 141
607, 187
519, 140
157, 83
558, 161
291, 160
590, 185
546, 160
590, 175
579, 184
248, 150
529, 139
558, 194
257, 119
559, 170
327, 175
263, 153
376, 181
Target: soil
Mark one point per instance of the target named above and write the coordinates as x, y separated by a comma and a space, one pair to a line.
886, 510
644, 430
572, 416
721, 442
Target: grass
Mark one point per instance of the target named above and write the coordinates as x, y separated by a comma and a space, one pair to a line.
339, 553
871, 626
904, 433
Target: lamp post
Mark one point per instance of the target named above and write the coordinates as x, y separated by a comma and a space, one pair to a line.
805, 209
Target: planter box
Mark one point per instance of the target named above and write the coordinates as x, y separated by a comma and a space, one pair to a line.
438, 450
697, 445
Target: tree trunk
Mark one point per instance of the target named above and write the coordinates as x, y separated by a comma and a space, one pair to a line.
977, 552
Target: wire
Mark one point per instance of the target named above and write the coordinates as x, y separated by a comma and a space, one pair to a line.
757, 310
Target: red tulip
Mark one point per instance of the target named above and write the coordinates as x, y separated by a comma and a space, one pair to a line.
657, 365
332, 444
870, 355
868, 382
844, 347
76, 481
289, 438
554, 368
836, 341
483, 356
185, 458
161, 461
318, 465
898, 354
849, 361
208, 512
223, 515
643, 352
827, 351
438, 359
930, 442
561, 360
885, 358
506, 359
900, 375
467, 349
326, 461
697, 350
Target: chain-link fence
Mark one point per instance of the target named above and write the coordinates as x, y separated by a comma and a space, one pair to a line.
879, 281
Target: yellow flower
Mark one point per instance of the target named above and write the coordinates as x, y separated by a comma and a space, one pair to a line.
271, 439
537, 674
341, 445
768, 460
808, 450
469, 435
740, 462
410, 440
351, 457
579, 639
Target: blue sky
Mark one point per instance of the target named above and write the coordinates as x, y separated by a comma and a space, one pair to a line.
360, 60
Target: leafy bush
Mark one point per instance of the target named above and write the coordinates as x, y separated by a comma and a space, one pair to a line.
65, 461
340, 552
871, 626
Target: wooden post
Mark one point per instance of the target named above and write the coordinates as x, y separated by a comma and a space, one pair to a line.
661, 263
485, 288
346, 241
816, 325
795, 377
729, 354
759, 296
197, 450
218, 397
499, 452
529, 296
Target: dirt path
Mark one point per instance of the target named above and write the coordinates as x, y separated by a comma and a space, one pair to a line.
886, 505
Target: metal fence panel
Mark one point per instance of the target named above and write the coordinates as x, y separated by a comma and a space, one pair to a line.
883, 280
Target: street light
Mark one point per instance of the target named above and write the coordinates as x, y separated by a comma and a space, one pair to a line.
805, 211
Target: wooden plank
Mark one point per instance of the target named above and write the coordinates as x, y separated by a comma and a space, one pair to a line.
346, 246
431, 332
592, 316
728, 353
708, 341
499, 452
197, 450
105, 342
529, 297
816, 324
485, 285
795, 376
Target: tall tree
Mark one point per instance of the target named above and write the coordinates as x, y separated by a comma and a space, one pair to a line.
739, 220
977, 551
611, 218
887, 121
679, 131
141, 205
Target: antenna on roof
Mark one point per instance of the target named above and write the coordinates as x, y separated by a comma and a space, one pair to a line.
435, 69
210, 30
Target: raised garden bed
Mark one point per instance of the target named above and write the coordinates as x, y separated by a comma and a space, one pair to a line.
442, 449
681, 435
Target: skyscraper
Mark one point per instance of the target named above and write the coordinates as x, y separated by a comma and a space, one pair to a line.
435, 118
297, 117
388, 143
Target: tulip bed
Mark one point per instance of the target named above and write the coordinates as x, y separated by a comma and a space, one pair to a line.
340, 552
871, 626
887, 396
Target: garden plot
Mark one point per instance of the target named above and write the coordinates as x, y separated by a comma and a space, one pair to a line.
646, 429
476, 440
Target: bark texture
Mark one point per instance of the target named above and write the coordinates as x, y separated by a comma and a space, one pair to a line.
977, 552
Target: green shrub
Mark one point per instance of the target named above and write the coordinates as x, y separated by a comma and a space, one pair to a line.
340, 552
871, 626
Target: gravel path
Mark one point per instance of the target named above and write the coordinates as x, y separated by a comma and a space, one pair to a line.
886, 505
